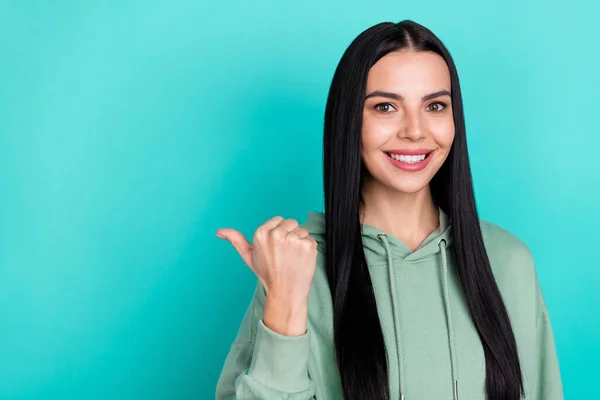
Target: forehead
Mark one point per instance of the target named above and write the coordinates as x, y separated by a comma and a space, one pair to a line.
409, 71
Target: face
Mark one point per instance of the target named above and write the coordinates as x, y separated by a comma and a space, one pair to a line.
408, 112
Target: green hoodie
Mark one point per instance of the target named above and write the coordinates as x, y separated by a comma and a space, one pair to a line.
428, 331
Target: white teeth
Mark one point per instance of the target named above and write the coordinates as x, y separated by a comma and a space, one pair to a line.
408, 159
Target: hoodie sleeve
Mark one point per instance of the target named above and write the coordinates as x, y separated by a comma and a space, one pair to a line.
263, 364
547, 383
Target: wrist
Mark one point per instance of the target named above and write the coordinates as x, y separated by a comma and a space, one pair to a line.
288, 318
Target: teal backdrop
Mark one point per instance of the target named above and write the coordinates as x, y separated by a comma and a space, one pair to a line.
130, 131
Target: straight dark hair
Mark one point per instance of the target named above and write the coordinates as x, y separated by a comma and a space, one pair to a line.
359, 345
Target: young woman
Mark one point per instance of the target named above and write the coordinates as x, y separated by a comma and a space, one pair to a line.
398, 290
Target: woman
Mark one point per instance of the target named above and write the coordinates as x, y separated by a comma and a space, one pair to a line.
398, 290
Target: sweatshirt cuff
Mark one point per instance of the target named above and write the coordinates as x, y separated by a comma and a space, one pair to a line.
280, 362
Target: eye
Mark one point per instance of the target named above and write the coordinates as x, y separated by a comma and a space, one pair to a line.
438, 109
383, 104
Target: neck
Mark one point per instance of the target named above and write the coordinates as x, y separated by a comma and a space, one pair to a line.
411, 217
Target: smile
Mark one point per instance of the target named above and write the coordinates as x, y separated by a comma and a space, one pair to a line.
410, 163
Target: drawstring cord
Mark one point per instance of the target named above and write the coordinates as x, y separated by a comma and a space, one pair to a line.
392, 279
449, 319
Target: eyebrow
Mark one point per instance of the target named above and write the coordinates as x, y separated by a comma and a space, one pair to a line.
396, 96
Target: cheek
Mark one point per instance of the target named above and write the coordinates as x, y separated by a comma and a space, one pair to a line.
376, 132
443, 132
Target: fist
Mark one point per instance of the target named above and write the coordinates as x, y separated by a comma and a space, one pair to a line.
282, 255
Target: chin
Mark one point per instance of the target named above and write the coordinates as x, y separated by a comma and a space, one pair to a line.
408, 187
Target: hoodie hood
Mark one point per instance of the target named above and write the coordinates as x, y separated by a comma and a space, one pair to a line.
375, 251
382, 248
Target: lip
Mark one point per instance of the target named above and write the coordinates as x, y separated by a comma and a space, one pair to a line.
409, 152
412, 167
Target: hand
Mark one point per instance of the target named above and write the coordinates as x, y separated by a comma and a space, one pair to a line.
283, 256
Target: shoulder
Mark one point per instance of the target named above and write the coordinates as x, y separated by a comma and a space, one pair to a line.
498, 238
510, 257
516, 275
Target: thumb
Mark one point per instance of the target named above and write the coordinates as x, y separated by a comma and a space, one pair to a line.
239, 242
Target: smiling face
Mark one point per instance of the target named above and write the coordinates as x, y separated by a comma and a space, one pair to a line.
407, 108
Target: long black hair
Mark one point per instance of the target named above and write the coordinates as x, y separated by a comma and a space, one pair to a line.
359, 345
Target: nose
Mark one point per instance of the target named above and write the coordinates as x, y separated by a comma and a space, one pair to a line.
412, 128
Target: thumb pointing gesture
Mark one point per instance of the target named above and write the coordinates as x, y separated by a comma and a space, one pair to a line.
239, 242
283, 256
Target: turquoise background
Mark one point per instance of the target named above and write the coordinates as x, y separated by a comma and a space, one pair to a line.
130, 131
